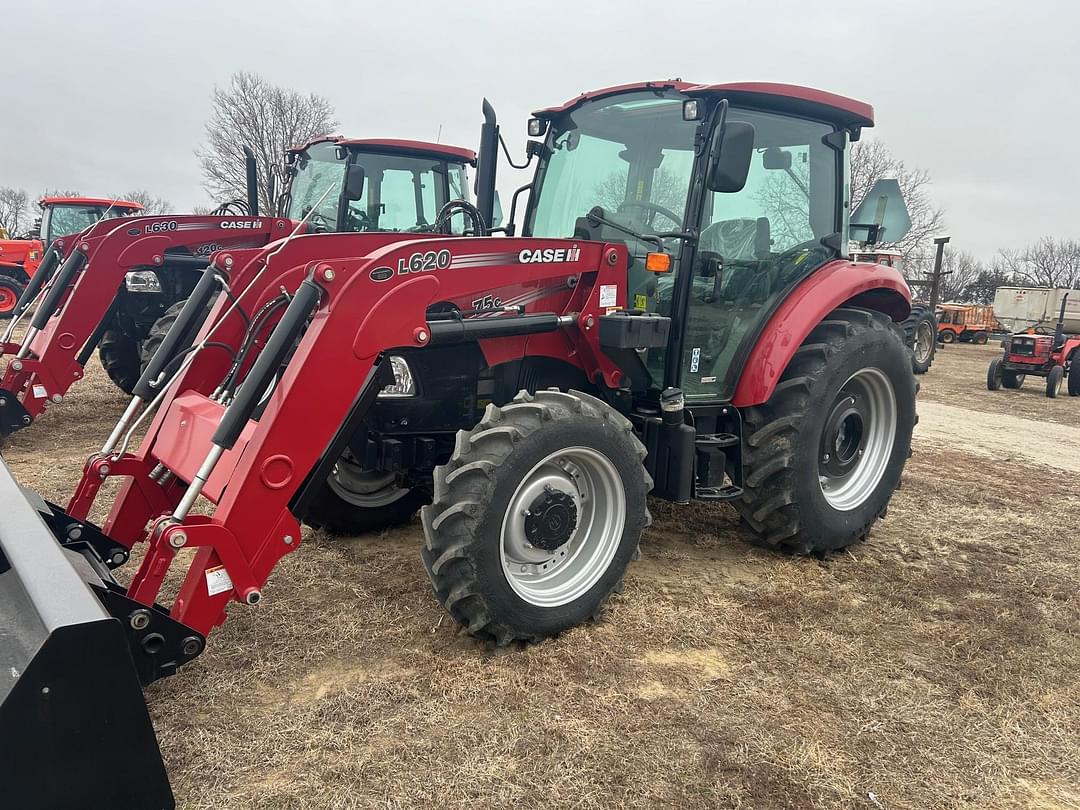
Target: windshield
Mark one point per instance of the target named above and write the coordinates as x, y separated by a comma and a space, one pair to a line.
632, 155
64, 220
401, 192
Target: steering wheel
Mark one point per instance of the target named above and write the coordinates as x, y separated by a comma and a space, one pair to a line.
653, 210
323, 222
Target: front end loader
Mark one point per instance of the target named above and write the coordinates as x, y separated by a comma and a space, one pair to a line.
116, 287
533, 389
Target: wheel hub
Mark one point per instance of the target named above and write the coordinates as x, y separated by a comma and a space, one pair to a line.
551, 519
844, 439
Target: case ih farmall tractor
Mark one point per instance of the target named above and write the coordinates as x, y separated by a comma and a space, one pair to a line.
119, 285
20, 258
665, 323
1027, 354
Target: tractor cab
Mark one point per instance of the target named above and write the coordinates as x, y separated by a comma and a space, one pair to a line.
366, 185
727, 195
61, 216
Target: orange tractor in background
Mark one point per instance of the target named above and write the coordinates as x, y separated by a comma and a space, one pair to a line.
60, 216
966, 323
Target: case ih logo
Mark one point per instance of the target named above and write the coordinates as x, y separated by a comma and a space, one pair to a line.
243, 224
527, 256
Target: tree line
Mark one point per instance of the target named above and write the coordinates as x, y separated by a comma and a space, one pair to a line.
270, 119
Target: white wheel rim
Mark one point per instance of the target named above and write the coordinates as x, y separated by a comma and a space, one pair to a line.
857, 442
549, 577
924, 341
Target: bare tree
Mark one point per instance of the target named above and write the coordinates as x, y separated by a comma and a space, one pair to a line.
151, 204
871, 160
1048, 262
56, 192
15, 212
962, 270
269, 119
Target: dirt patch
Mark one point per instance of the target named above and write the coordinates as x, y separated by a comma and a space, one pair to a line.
935, 665
1000, 436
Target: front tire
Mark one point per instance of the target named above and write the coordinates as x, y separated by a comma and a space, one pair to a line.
920, 334
119, 355
980, 338
1053, 381
948, 336
536, 516
823, 456
993, 375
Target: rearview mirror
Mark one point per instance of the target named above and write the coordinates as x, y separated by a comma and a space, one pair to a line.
731, 162
882, 215
776, 159
354, 183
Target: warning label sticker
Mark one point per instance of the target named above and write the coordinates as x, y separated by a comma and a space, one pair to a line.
608, 295
217, 580
40, 392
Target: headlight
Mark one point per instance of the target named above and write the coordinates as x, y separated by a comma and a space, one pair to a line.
142, 281
404, 384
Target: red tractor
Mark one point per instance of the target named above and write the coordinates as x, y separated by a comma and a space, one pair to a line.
665, 323
20, 258
1028, 354
119, 285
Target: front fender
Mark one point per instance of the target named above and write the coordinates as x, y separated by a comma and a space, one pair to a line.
870, 286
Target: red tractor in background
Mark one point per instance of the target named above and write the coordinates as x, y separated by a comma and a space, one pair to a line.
658, 327
1027, 354
60, 216
119, 285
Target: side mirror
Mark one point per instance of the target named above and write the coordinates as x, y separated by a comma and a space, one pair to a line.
731, 162
883, 214
776, 159
354, 183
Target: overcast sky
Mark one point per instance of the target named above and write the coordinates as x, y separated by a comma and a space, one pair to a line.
109, 96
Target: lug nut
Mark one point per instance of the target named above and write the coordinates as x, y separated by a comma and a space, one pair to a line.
139, 619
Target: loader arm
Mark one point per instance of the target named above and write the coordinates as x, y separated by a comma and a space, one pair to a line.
350, 312
76, 307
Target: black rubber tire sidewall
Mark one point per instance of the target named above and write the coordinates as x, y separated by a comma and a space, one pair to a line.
825, 527
331, 513
1074, 377
948, 336
1053, 381
993, 375
119, 355
520, 616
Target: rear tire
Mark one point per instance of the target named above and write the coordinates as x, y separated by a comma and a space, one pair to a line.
980, 338
10, 291
1074, 376
119, 355
1012, 380
993, 375
823, 456
948, 336
1053, 381
352, 502
920, 334
573, 459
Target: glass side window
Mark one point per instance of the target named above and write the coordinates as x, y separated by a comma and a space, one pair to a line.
756, 244
316, 184
64, 220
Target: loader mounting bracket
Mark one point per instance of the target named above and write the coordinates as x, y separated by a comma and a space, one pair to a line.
13, 416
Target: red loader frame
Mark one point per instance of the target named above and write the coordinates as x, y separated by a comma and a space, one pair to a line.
86, 271
255, 472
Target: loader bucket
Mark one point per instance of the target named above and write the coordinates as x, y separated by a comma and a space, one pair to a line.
74, 729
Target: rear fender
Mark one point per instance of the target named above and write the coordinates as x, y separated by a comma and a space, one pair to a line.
839, 283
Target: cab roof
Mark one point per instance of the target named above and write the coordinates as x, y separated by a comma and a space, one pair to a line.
100, 201
789, 98
398, 146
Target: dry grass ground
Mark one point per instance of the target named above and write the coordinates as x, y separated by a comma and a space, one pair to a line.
937, 665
